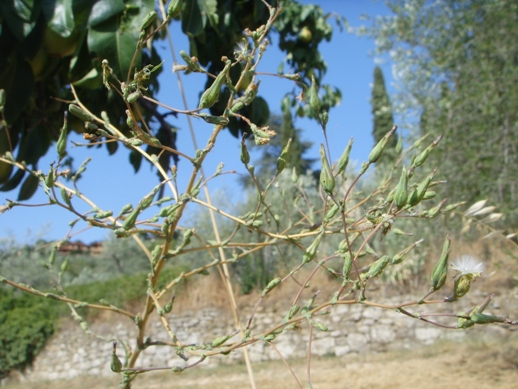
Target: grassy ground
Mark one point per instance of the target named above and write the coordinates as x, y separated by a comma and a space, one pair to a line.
444, 365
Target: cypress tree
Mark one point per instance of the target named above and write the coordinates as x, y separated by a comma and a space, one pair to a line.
382, 111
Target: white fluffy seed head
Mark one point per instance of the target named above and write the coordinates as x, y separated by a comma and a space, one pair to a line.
468, 264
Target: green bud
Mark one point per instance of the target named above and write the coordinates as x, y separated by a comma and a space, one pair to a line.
346, 270
130, 220
219, 341
66, 197
64, 265
148, 199
245, 156
148, 19
211, 95
294, 176
272, 284
440, 270
344, 159
52, 257
168, 307
61, 145
116, 364
418, 194
421, 158
398, 258
219, 120
103, 214
49, 179
319, 326
453, 206
174, 8
435, 210
281, 162
80, 113
331, 212
461, 287
377, 267
430, 194
311, 251
293, 311
327, 180
314, 101
191, 63
401, 192
375, 154
481, 318
2, 100
134, 96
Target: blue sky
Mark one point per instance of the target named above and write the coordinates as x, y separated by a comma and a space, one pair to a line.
111, 183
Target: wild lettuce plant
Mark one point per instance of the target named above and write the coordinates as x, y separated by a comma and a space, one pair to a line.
342, 221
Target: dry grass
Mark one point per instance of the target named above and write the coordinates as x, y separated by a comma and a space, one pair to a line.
443, 365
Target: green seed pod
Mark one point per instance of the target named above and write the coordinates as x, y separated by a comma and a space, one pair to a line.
148, 19
327, 180
245, 156
130, 220
463, 323
421, 158
192, 64
319, 326
331, 213
2, 100
52, 257
398, 258
116, 364
219, 120
453, 206
281, 162
377, 267
174, 8
311, 251
461, 287
168, 307
293, 311
375, 154
482, 318
430, 194
64, 265
344, 159
219, 341
401, 192
435, 210
103, 214
134, 96
418, 194
127, 208
346, 270
272, 284
49, 179
211, 95
440, 270
61, 145
66, 197
80, 113
314, 101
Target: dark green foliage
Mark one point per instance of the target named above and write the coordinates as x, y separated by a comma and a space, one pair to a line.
45, 46
26, 322
458, 62
382, 112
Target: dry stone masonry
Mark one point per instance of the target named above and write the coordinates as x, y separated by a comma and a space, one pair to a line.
351, 329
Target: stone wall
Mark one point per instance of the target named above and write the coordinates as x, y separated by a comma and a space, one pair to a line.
351, 329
